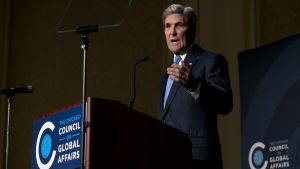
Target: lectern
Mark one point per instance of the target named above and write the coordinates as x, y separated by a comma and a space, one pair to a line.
117, 137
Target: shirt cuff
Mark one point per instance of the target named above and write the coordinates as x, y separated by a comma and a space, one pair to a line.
196, 93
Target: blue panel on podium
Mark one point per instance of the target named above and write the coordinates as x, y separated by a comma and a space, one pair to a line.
56, 140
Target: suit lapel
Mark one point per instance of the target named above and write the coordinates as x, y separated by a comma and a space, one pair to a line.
163, 83
192, 56
172, 93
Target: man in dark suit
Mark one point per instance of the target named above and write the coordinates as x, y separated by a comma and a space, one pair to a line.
194, 89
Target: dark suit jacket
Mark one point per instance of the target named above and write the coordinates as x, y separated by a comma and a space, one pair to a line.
198, 117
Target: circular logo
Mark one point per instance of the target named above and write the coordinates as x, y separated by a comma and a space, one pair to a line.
256, 156
46, 146
46, 143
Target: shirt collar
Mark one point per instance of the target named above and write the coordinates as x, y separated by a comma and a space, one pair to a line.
183, 56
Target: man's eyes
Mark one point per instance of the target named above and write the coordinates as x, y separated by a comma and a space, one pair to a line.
167, 25
179, 25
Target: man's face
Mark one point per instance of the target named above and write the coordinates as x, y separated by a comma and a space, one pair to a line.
178, 36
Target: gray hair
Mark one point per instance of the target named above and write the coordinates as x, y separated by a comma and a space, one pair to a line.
188, 13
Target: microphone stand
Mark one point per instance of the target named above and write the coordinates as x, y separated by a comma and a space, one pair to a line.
9, 103
133, 99
134, 90
84, 31
9, 93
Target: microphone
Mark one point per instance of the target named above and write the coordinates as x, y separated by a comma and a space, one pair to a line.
12, 91
134, 90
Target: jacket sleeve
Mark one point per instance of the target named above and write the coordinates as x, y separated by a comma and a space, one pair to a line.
216, 93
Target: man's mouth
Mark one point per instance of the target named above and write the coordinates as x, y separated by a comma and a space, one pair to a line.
174, 41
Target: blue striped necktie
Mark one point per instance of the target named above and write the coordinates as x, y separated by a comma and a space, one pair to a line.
170, 81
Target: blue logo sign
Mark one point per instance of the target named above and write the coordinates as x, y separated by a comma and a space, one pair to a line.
57, 140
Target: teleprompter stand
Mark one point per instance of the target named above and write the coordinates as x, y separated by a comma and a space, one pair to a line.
84, 32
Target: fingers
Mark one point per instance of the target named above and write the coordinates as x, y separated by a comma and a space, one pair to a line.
179, 72
181, 66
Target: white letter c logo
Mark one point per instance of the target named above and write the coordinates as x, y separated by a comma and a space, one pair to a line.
47, 125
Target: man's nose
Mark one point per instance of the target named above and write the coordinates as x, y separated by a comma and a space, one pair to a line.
173, 31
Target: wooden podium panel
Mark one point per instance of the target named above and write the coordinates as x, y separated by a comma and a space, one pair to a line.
120, 137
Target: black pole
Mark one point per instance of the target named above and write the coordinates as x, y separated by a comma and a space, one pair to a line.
84, 31
9, 103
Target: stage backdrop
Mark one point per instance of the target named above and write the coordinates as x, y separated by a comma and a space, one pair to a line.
270, 105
